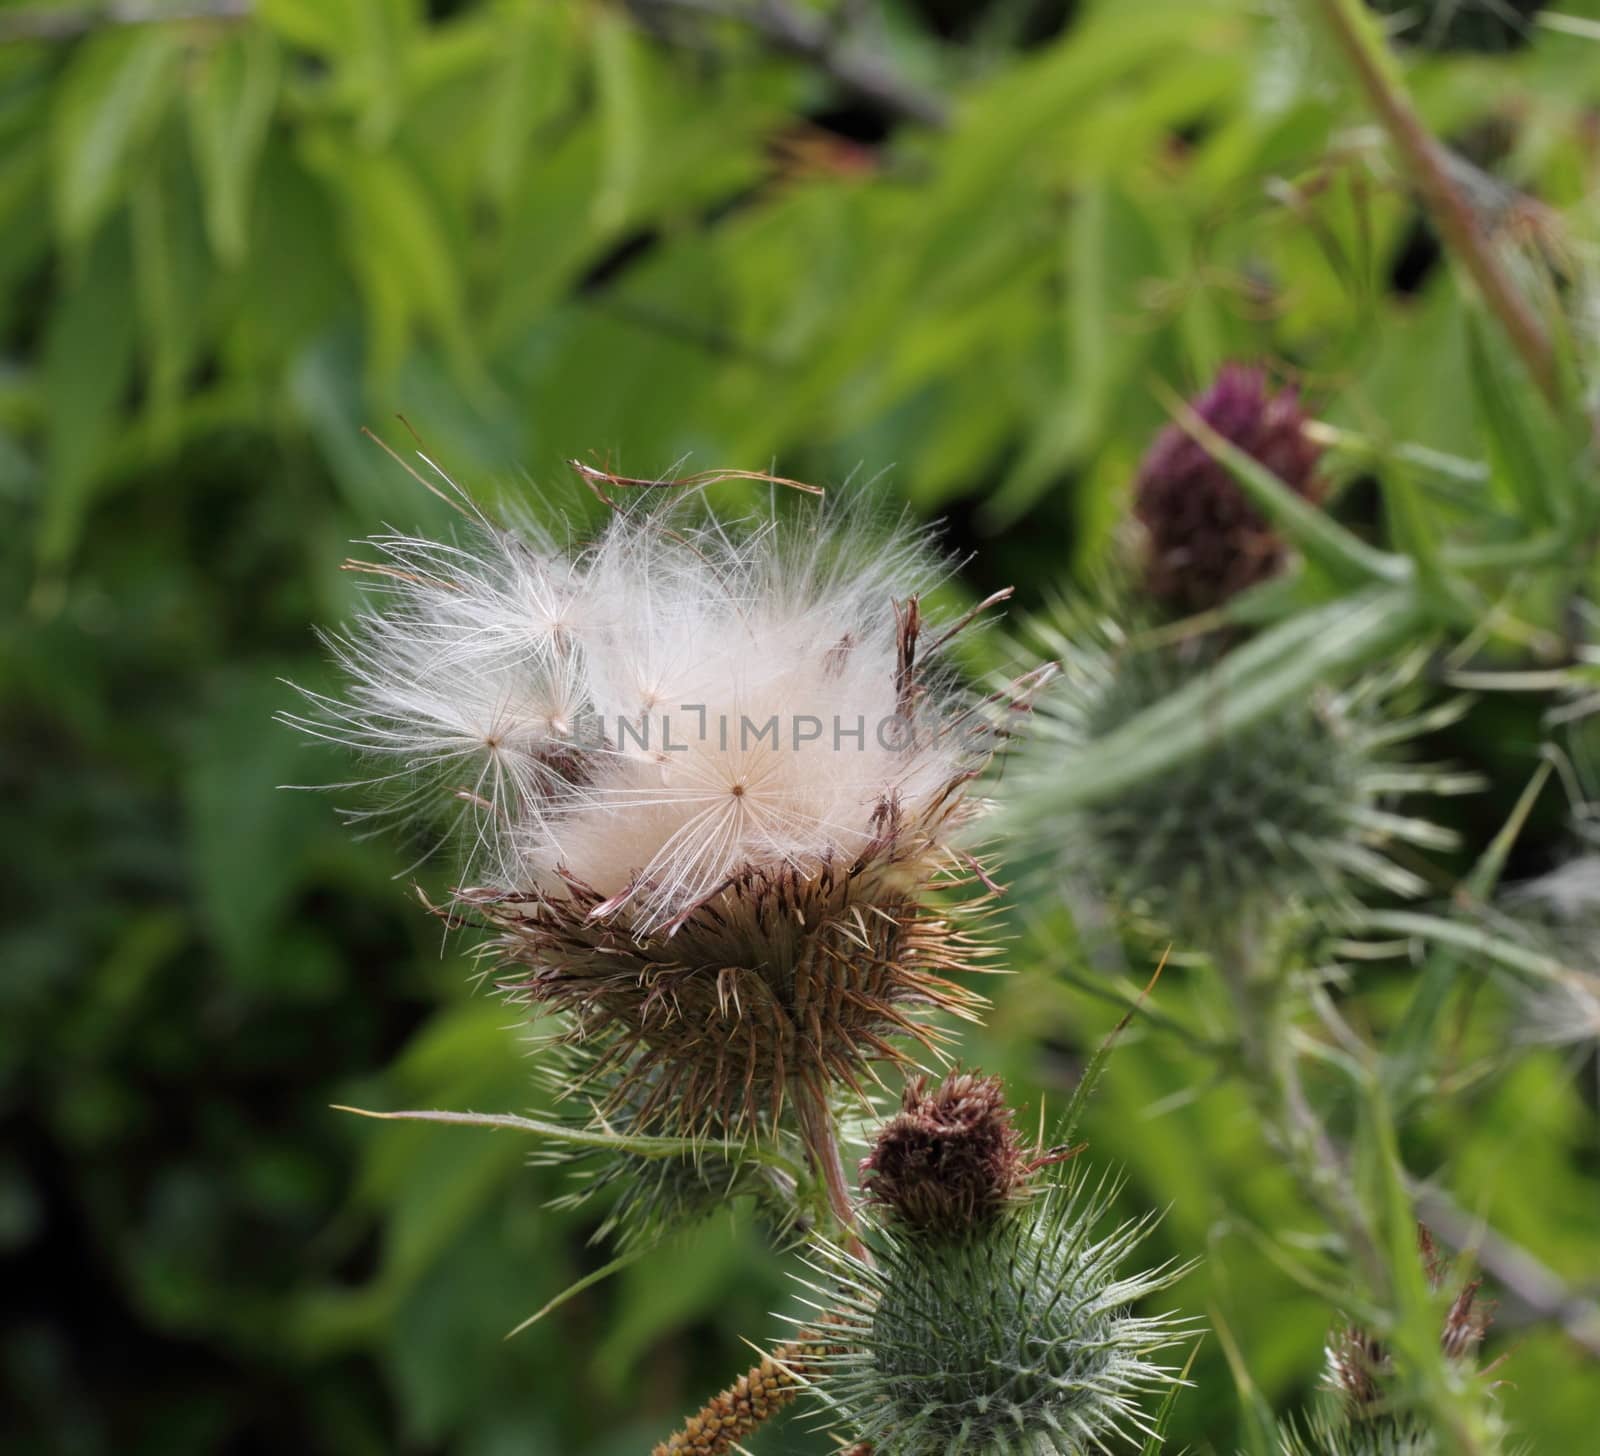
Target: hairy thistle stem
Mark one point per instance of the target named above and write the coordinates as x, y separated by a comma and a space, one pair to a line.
1261, 1005
1454, 216
822, 1143
1261, 1001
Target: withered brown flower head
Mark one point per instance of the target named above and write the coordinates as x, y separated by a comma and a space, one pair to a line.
1205, 541
788, 979
950, 1160
1466, 1321
710, 775
1358, 1362
1357, 1365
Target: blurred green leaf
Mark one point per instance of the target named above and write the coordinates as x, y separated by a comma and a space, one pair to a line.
108, 106
621, 119
88, 359
230, 107
1516, 429
399, 250
25, 184
323, 26
291, 285
171, 278
244, 825
658, 1292
530, 82
1112, 254
378, 55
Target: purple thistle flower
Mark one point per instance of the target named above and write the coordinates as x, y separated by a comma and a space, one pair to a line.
1206, 541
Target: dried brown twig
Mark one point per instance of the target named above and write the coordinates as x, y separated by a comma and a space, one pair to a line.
732, 1414
1450, 210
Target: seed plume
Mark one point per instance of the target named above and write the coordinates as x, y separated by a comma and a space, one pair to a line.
707, 775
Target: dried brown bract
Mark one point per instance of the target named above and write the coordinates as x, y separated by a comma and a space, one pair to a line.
950, 1160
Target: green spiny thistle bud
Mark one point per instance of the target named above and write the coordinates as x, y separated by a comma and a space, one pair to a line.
1462, 25
1295, 806
1328, 1436
1008, 1331
1365, 1416
1205, 542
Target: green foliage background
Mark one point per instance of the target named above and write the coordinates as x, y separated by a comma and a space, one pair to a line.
543, 229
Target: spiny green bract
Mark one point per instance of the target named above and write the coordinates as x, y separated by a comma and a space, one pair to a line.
1462, 25
1297, 805
1328, 1435
1335, 1432
1014, 1339
659, 1196
653, 1197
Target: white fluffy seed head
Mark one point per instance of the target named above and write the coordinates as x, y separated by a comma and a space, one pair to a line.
646, 716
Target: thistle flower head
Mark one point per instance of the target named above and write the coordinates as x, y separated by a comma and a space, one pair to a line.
1299, 805
1205, 541
1365, 1417
706, 774
950, 1161
1462, 25
1014, 1336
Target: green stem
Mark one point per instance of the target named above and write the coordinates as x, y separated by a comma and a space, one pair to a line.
1261, 1002
1261, 996
1452, 213
821, 1138
639, 1145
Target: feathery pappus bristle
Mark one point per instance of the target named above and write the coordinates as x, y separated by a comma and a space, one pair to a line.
710, 774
